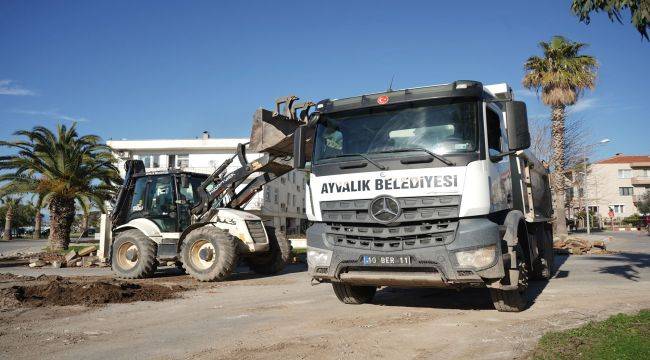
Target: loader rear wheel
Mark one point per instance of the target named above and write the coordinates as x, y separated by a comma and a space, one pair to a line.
354, 295
133, 255
513, 300
209, 254
273, 261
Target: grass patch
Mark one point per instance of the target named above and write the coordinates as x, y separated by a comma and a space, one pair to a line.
299, 251
70, 247
619, 337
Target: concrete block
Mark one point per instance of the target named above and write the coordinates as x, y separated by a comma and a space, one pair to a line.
37, 263
87, 250
72, 254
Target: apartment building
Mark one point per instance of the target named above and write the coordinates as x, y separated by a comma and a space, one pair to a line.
615, 183
280, 203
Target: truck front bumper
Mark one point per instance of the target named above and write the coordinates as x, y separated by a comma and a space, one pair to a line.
432, 266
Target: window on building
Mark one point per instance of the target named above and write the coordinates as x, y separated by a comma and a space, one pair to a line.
288, 199
618, 209
593, 209
626, 191
624, 173
267, 194
150, 161
182, 161
275, 196
294, 199
283, 180
643, 173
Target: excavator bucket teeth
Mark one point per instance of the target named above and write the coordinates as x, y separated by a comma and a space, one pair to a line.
272, 133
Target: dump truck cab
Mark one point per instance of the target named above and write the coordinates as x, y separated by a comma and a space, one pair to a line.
428, 186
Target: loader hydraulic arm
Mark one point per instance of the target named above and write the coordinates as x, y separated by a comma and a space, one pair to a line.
272, 135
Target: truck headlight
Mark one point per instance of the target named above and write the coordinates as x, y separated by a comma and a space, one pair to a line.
318, 257
477, 258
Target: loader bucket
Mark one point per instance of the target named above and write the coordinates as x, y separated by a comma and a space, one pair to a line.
272, 134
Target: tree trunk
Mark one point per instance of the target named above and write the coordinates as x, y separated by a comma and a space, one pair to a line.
9, 219
557, 162
38, 220
62, 213
85, 220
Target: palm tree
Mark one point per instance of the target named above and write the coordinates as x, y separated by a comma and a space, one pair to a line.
38, 219
561, 75
64, 168
10, 206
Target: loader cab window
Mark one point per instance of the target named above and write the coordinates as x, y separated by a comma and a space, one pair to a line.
159, 203
493, 131
191, 193
137, 201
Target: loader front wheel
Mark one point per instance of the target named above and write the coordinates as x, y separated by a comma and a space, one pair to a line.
133, 255
209, 254
273, 261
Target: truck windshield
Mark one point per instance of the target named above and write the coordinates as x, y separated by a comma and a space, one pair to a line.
441, 129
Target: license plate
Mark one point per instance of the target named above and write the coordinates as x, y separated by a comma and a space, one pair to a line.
386, 260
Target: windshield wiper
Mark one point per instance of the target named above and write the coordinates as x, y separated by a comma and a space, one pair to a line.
439, 157
378, 165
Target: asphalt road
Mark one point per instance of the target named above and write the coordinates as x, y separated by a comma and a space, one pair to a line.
283, 316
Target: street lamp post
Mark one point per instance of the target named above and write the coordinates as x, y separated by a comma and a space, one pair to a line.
584, 187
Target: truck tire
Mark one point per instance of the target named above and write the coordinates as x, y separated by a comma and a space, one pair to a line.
273, 261
355, 295
544, 264
133, 255
209, 254
513, 300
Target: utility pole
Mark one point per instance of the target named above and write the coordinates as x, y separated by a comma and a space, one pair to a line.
584, 182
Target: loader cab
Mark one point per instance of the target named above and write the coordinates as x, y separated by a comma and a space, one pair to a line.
165, 199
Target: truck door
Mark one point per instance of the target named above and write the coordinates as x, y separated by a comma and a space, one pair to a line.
500, 177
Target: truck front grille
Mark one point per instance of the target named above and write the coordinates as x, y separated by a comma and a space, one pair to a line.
256, 229
423, 222
414, 209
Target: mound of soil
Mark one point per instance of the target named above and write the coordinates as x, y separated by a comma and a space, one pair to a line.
60, 291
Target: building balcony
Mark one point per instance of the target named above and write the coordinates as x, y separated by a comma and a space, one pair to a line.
641, 181
640, 165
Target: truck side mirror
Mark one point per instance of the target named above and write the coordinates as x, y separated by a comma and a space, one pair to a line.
518, 133
299, 140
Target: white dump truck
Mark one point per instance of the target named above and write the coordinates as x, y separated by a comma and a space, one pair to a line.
425, 187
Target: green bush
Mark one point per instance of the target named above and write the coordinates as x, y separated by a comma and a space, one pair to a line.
632, 220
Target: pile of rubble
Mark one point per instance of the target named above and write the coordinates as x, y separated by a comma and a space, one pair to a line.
577, 246
85, 257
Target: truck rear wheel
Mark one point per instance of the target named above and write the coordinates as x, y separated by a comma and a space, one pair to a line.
273, 261
133, 255
209, 254
513, 300
543, 266
355, 295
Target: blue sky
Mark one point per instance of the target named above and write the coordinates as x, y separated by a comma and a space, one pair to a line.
163, 69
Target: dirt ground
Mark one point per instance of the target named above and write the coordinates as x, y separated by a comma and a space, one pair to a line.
251, 317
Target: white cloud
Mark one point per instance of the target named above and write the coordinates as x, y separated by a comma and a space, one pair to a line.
51, 115
525, 93
582, 105
9, 87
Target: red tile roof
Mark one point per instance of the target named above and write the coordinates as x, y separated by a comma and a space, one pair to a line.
625, 159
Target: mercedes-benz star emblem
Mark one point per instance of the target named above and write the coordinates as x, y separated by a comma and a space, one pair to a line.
385, 209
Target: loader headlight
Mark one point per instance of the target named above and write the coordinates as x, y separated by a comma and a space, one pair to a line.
318, 257
477, 258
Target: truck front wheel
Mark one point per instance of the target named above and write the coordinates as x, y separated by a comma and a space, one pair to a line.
514, 300
349, 294
209, 254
